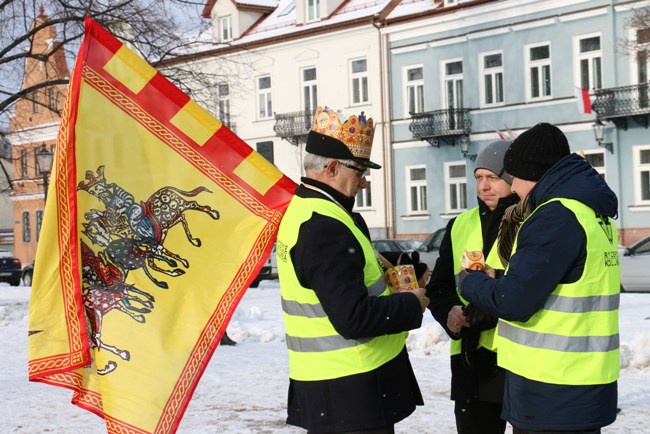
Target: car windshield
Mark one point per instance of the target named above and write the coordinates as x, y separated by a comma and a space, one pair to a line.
5, 254
408, 245
432, 242
642, 247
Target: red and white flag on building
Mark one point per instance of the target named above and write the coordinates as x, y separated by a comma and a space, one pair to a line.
584, 101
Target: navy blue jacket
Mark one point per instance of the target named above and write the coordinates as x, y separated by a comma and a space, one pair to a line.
551, 249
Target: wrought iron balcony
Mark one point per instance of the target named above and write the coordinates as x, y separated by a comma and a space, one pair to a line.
293, 126
441, 125
620, 103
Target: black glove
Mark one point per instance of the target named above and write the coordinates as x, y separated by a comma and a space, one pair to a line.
479, 319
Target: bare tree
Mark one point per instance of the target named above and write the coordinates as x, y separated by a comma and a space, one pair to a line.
159, 30
638, 46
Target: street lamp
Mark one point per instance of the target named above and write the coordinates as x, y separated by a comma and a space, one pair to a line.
44, 160
603, 134
464, 147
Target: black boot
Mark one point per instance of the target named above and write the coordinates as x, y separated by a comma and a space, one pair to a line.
225, 340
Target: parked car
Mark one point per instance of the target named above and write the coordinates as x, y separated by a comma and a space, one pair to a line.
10, 268
386, 245
635, 267
430, 247
268, 271
28, 273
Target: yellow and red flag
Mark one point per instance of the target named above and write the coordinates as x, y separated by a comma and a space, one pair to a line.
158, 219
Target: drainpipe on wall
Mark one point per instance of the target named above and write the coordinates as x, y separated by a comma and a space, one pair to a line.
618, 157
387, 147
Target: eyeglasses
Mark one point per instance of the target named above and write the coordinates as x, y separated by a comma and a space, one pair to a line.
350, 166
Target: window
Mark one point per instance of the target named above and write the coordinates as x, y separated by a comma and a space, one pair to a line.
414, 91
456, 187
642, 40
492, 70
452, 91
597, 160
27, 230
224, 105
416, 184
39, 223
538, 59
309, 90
225, 26
51, 98
589, 60
266, 150
264, 100
313, 10
364, 198
24, 164
359, 78
35, 103
642, 175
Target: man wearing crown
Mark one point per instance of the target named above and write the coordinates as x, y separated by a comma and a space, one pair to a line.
348, 365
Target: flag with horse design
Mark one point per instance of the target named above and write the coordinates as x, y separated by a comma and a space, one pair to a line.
158, 219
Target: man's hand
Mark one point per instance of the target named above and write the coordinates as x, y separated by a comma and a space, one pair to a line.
421, 294
456, 320
489, 271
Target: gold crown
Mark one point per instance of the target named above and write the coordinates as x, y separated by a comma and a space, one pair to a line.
356, 132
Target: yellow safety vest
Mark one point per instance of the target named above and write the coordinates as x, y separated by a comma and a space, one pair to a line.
573, 339
467, 234
316, 350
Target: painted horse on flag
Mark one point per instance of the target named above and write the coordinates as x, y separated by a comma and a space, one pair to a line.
131, 236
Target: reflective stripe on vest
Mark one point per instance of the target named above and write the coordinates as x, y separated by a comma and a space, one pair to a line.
316, 350
467, 234
574, 338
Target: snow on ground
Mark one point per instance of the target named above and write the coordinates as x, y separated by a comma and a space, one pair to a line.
243, 390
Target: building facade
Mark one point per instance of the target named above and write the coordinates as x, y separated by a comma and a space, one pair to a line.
33, 128
287, 57
461, 75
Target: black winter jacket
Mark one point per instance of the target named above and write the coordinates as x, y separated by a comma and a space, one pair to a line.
483, 381
329, 259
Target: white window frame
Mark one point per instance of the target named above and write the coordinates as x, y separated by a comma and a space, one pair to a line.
457, 184
420, 186
638, 169
264, 98
359, 92
312, 87
540, 66
454, 78
223, 104
363, 199
312, 8
600, 169
225, 28
590, 57
417, 87
493, 73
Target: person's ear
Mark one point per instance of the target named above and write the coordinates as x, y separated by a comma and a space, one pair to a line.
331, 167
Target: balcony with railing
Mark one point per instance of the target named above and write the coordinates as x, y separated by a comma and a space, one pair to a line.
293, 126
446, 125
618, 104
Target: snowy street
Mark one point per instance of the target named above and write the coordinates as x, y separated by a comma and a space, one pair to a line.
243, 390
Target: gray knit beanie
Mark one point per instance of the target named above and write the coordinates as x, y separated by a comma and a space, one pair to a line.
491, 158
